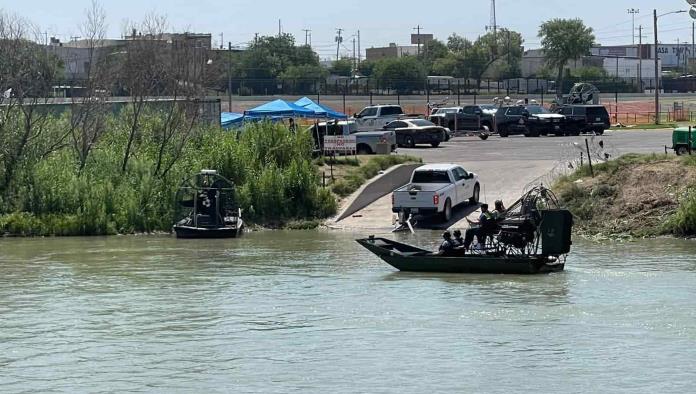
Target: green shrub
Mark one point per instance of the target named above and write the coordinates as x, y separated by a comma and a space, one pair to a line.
683, 221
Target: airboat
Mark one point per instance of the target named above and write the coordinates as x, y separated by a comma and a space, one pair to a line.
207, 208
533, 237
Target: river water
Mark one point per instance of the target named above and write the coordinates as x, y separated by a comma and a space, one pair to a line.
313, 312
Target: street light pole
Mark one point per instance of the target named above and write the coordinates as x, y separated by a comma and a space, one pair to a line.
657, 70
657, 73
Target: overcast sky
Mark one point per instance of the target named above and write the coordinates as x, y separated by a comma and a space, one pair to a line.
380, 22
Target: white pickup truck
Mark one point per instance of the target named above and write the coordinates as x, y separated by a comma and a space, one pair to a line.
375, 117
434, 190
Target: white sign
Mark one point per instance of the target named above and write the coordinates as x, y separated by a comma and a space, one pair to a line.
340, 143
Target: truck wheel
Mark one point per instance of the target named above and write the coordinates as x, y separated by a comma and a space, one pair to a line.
364, 149
447, 213
475, 197
532, 133
409, 142
682, 150
435, 144
599, 131
502, 132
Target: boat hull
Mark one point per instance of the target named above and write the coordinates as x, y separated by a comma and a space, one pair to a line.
187, 232
418, 260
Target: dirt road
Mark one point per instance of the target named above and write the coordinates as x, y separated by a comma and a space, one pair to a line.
507, 165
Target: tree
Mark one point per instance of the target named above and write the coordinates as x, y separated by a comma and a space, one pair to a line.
27, 74
403, 74
342, 68
431, 52
564, 40
89, 112
458, 44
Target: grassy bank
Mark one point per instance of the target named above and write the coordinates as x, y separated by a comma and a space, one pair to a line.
635, 195
126, 183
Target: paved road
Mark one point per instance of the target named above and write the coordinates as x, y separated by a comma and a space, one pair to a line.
507, 165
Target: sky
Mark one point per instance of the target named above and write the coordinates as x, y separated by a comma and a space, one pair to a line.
379, 22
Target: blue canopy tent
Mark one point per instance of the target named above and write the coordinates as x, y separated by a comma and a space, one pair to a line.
280, 108
230, 120
320, 111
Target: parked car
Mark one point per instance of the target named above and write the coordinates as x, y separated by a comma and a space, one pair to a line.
366, 141
436, 189
375, 117
585, 118
411, 132
530, 120
680, 140
469, 117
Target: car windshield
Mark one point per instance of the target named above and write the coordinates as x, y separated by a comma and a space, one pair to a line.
536, 110
431, 177
447, 111
422, 123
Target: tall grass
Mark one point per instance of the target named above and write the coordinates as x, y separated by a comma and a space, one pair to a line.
271, 167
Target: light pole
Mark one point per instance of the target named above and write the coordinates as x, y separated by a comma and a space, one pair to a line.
657, 68
633, 13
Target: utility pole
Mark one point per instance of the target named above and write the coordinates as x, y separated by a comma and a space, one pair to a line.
494, 27
633, 13
339, 41
355, 61
222, 40
693, 41
280, 28
657, 72
418, 29
306, 36
359, 52
640, 58
256, 38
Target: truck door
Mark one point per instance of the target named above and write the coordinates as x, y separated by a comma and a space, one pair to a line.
469, 118
366, 119
462, 192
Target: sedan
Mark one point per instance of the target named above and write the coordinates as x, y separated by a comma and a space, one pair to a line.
411, 132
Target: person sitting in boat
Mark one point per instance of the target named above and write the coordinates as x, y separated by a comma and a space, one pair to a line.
447, 247
480, 229
499, 211
458, 239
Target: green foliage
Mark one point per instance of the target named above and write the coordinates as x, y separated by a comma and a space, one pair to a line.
342, 68
403, 74
271, 166
683, 221
589, 73
564, 40
271, 57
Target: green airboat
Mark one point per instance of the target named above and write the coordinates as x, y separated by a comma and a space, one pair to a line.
534, 237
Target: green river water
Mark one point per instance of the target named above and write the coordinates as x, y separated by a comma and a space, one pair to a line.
280, 312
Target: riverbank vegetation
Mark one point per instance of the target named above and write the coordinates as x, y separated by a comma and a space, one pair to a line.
54, 192
635, 195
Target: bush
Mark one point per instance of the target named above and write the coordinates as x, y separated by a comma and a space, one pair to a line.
272, 168
683, 221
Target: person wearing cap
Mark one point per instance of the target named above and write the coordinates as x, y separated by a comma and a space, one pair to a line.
447, 247
479, 229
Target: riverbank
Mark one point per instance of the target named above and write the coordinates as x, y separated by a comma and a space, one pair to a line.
633, 196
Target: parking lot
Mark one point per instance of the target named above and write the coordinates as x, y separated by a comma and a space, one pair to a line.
507, 165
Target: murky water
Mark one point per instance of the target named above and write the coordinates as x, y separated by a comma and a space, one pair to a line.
313, 312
